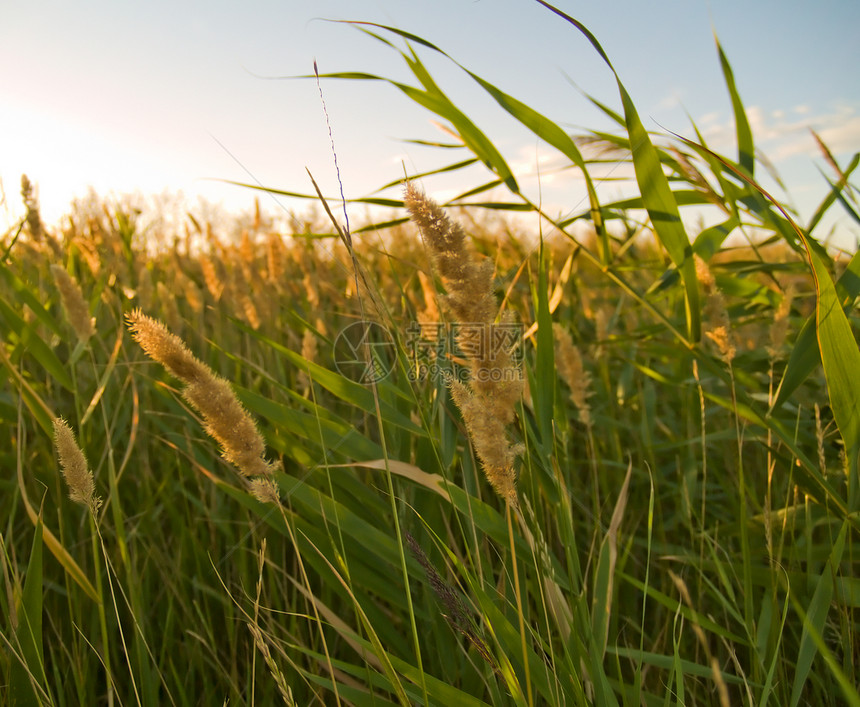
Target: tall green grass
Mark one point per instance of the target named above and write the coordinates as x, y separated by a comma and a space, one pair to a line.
690, 540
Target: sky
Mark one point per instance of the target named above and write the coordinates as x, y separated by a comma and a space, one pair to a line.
176, 96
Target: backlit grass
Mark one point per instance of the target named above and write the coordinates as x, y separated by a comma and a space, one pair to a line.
662, 510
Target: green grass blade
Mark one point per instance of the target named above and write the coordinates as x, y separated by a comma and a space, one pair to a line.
805, 354
815, 617
433, 99
663, 211
710, 239
545, 382
31, 341
24, 296
474, 139
657, 197
604, 577
551, 133
834, 194
841, 360
27, 676
746, 150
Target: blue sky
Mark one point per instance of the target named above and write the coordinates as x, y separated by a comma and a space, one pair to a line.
164, 95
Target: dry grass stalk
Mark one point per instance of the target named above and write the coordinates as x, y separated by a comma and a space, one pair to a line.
90, 253
247, 255
488, 398
261, 641
193, 295
225, 419
239, 296
77, 310
76, 471
457, 615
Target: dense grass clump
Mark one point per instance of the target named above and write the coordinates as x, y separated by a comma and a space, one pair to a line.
613, 464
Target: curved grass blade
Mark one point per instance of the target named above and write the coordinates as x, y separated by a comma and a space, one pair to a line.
840, 358
657, 197
708, 242
545, 382
805, 354
441, 170
836, 193
539, 124
433, 99
369, 200
378, 650
746, 149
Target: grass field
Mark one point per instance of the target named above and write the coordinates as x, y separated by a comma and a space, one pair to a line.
615, 463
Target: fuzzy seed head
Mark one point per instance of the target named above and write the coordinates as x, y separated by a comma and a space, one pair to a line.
717, 324
572, 372
487, 402
77, 310
74, 467
224, 417
168, 349
779, 327
265, 490
489, 438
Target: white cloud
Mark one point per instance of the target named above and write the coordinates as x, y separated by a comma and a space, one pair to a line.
842, 137
669, 101
781, 135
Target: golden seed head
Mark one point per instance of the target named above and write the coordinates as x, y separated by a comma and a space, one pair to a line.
168, 349
488, 401
225, 419
716, 318
468, 277
779, 327
77, 310
265, 490
74, 467
568, 361
275, 265
31, 201
210, 276
489, 439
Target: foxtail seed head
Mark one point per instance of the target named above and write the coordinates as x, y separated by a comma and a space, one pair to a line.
73, 463
225, 419
487, 401
77, 310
